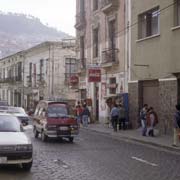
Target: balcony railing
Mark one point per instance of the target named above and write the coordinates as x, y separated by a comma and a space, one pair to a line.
11, 79
109, 5
80, 21
110, 56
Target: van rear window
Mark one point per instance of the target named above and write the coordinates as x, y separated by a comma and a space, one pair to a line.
57, 111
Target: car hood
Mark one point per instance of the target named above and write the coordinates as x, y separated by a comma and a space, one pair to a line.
13, 138
19, 115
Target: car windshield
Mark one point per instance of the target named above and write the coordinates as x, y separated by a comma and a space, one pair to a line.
57, 111
9, 124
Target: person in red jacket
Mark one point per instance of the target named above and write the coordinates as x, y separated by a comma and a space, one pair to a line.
78, 113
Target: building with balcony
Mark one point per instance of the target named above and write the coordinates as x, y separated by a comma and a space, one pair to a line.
41, 72
102, 44
155, 62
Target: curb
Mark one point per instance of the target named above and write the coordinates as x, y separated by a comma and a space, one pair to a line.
125, 138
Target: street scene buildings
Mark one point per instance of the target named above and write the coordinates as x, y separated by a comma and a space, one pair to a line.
155, 65
102, 104
125, 52
41, 72
102, 46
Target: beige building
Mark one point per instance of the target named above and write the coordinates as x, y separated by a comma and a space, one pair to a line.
41, 72
102, 44
155, 59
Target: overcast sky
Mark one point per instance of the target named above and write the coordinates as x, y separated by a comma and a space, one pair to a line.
55, 13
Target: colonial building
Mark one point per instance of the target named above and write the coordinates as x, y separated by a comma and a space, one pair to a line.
155, 62
102, 41
41, 72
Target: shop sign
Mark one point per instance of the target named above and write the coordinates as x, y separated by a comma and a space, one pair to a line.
110, 86
74, 80
94, 75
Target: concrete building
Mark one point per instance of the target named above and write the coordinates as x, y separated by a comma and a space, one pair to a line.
155, 59
41, 72
102, 44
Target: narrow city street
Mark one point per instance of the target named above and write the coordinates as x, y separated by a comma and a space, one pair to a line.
94, 156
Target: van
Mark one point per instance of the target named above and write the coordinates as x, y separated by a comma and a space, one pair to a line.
54, 120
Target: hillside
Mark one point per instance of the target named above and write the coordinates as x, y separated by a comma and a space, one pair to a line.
19, 31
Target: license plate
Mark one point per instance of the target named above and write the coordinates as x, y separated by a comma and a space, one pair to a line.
3, 160
64, 128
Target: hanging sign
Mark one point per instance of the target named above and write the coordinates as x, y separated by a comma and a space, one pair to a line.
94, 75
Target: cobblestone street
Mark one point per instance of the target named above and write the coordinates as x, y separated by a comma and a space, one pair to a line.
94, 156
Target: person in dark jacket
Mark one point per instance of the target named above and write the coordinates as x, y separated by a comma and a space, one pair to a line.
176, 124
114, 116
85, 115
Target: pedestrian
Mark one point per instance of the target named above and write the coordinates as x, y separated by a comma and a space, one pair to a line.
143, 114
122, 117
85, 115
114, 114
78, 113
152, 120
176, 124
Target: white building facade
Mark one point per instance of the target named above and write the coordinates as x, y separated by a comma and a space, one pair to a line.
44, 72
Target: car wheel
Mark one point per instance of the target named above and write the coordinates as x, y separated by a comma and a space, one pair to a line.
27, 166
44, 137
36, 133
71, 139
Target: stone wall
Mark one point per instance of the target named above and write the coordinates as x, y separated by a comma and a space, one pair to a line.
133, 103
167, 102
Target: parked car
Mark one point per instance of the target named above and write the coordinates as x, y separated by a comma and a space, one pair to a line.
15, 146
53, 119
19, 112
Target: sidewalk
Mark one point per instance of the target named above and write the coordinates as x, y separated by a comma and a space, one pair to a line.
164, 141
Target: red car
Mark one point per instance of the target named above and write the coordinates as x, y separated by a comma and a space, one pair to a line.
53, 119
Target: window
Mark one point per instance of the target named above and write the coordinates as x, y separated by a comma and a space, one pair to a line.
82, 7
148, 23
112, 34
83, 62
112, 87
177, 13
95, 42
19, 75
41, 69
95, 5
30, 72
70, 68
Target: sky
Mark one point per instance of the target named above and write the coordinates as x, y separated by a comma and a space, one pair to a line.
56, 13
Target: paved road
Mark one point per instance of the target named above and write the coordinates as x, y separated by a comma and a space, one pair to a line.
96, 157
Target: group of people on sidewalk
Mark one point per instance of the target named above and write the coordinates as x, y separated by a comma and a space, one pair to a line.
83, 114
148, 119
118, 117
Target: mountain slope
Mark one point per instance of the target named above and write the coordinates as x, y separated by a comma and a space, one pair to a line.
19, 31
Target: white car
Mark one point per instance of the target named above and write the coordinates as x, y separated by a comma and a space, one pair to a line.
15, 146
19, 112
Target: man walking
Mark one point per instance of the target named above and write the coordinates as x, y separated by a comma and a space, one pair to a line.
85, 114
122, 117
176, 124
143, 114
114, 114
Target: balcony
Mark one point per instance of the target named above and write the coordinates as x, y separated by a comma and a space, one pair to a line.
80, 21
109, 57
109, 5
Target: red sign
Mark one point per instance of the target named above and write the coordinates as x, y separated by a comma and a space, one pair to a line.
74, 80
94, 75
